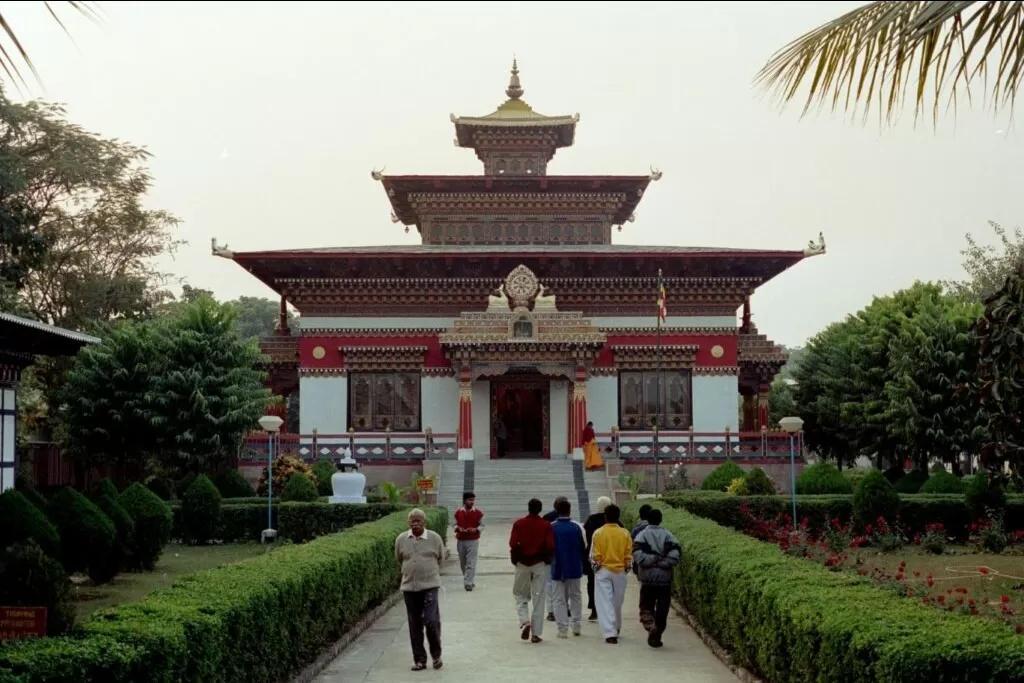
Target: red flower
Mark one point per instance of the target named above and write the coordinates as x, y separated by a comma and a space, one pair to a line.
1005, 599
930, 581
983, 570
1020, 628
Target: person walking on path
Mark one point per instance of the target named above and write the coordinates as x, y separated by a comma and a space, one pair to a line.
644, 510
420, 552
592, 524
551, 516
531, 546
656, 552
611, 554
567, 569
468, 520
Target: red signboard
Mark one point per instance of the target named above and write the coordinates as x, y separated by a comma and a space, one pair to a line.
22, 622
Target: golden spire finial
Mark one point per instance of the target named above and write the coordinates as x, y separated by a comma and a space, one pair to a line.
514, 89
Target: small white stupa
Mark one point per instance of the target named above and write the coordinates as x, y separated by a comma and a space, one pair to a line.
348, 482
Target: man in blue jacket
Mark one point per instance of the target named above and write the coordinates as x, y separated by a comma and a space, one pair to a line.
567, 569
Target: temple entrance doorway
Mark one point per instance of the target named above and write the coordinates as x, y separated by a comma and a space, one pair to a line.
520, 413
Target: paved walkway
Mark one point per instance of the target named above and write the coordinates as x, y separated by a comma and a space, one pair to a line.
481, 640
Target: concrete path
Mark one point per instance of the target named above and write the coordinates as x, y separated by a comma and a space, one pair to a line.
481, 640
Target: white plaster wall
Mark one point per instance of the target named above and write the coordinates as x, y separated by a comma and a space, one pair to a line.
603, 402
481, 419
715, 403
439, 397
558, 417
323, 404
443, 323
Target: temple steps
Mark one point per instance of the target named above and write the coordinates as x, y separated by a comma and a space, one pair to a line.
503, 487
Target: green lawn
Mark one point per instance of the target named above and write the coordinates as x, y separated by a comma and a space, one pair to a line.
176, 561
980, 580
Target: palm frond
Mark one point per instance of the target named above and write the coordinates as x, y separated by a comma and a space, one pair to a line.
12, 51
880, 54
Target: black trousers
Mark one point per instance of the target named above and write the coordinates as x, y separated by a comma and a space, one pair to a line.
590, 591
655, 602
424, 615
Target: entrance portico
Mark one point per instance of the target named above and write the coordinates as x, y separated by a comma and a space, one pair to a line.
532, 359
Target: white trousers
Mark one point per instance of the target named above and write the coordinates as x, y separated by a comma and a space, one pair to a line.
609, 594
530, 585
567, 604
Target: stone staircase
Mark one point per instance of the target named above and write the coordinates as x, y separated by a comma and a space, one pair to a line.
503, 487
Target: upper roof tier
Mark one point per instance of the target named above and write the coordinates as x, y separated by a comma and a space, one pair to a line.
514, 139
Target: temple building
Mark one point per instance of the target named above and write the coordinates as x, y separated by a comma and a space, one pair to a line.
517, 315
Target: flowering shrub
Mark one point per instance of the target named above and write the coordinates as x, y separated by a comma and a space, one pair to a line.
989, 535
737, 487
933, 539
834, 547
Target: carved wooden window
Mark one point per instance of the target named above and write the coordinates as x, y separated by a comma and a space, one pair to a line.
379, 401
638, 400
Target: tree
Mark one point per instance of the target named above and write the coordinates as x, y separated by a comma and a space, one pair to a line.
258, 317
988, 267
210, 391
7, 63
882, 382
86, 240
107, 413
875, 54
999, 381
931, 356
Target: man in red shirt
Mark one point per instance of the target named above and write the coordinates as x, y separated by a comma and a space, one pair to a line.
531, 546
467, 535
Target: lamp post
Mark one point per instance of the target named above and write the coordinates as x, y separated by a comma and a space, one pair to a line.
271, 424
792, 425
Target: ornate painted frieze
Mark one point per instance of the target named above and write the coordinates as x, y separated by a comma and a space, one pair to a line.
372, 358
652, 356
592, 230
597, 296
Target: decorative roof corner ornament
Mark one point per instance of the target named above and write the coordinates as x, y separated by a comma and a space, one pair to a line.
220, 250
456, 141
631, 219
655, 174
453, 118
377, 175
815, 248
576, 117
394, 218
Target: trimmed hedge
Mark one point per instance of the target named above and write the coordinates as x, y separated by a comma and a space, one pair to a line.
295, 522
152, 519
916, 511
255, 621
791, 620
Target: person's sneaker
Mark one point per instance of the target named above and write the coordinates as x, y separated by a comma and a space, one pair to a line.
535, 639
577, 631
525, 632
551, 616
469, 588
593, 615
563, 634
438, 664
612, 641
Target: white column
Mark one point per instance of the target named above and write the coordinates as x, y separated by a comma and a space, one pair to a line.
8, 442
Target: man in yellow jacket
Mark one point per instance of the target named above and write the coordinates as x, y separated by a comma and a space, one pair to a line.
611, 554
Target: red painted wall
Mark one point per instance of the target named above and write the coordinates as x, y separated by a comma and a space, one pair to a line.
334, 357
704, 342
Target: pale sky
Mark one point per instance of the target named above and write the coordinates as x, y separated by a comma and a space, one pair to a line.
307, 97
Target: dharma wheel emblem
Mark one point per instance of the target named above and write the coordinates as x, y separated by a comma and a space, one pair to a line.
521, 285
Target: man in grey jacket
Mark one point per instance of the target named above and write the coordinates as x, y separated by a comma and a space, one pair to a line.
656, 552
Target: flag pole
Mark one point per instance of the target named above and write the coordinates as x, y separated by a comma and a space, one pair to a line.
657, 373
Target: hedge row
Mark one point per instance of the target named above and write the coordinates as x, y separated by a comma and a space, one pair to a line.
255, 621
295, 522
916, 511
787, 619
